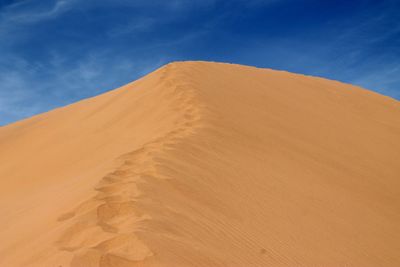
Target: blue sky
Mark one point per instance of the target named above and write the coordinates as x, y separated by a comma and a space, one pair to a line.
56, 52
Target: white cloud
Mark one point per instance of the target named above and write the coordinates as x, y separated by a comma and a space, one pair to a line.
14, 97
27, 89
382, 79
26, 12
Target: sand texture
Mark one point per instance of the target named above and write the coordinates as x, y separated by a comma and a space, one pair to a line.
206, 164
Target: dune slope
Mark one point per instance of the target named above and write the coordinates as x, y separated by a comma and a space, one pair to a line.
206, 164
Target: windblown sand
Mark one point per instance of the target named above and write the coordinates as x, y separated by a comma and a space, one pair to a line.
206, 164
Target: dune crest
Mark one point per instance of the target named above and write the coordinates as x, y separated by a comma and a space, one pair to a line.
206, 164
103, 233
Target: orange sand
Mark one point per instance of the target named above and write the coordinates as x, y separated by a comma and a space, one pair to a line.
206, 164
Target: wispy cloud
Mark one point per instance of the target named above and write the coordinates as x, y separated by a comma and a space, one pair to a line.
383, 78
28, 88
31, 85
27, 12
15, 98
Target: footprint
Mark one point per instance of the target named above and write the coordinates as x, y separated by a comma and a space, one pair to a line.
82, 235
126, 246
66, 216
88, 258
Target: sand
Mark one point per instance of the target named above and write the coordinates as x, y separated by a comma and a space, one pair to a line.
206, 164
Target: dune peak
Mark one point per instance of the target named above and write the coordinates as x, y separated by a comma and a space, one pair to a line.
206, 164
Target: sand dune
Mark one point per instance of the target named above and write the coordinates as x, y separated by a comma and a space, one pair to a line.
206, 164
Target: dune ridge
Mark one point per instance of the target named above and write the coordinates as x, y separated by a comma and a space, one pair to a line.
103, 232
206, 164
